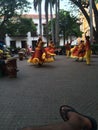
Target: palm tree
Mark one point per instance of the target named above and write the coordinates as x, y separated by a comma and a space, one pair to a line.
51, 3
57, 6
46, 15
38, 3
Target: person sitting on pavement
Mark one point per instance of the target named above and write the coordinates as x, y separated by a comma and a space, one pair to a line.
73, 120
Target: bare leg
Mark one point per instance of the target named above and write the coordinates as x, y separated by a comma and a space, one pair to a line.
79, 121
58, 126
75, 121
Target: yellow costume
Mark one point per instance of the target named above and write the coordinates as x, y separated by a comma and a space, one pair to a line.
40, 55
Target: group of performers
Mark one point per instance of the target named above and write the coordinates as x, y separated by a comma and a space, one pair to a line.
81, 51
43, 54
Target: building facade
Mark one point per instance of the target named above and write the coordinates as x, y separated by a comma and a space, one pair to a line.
29, 40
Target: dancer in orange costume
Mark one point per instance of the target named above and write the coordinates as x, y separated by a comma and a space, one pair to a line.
40, 55
78, 51
81, 51
74, 52
88, 50
67, 46
37, 55
50, 50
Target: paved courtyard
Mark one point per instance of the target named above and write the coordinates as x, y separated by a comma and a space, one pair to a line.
34, 97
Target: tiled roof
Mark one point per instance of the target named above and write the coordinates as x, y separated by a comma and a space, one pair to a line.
34, 16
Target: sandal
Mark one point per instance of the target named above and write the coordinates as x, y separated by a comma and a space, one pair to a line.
64, 112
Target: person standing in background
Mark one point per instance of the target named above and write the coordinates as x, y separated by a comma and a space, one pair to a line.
67, 46
88, 50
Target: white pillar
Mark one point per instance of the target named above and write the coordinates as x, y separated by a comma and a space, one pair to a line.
7, 40
29, 39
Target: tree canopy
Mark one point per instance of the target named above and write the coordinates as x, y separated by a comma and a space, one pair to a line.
68, 25
20, 27
9, 9
82, 4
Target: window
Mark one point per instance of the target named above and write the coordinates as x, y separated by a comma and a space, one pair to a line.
13, 44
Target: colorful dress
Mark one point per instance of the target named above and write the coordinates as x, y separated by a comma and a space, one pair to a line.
81, 52
40, 55
68, 49
50, 49
88, 51
74, 51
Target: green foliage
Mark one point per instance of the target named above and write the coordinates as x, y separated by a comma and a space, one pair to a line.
10, 9
96, 1
21, 27
94, 48
83, 6
68, 24
49, 28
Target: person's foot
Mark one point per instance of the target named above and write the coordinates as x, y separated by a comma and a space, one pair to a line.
79, 121
70, 114
64, 109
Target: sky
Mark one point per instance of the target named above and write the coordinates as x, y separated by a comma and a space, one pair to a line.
63, 5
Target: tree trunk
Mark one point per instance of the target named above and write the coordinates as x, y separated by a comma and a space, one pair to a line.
96, 21
46, 14
52, 30
40, 18
95, 29
57, 23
